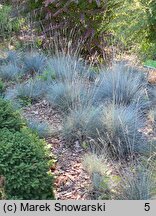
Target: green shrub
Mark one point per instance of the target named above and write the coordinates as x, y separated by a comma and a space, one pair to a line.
24, 159
8, 23
24, 162
133, 24
8, 117
2, 189
2, 87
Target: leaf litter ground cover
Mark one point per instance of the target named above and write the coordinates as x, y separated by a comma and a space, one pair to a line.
72, 181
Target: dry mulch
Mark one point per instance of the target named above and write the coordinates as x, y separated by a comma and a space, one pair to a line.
72, 181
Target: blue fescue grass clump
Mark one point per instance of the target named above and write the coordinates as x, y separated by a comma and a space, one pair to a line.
61, 96
34, 63
10, 72
105, 108
68, 96
13, 57
152, 94
112, 128
115, 121
123, 86
33, 89
41, 128
11, 95
71, 88
136, 183
116, 128
75, 124
65, 67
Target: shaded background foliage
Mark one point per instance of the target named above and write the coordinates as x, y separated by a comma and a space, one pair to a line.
53, 18
134, 25
99, 24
